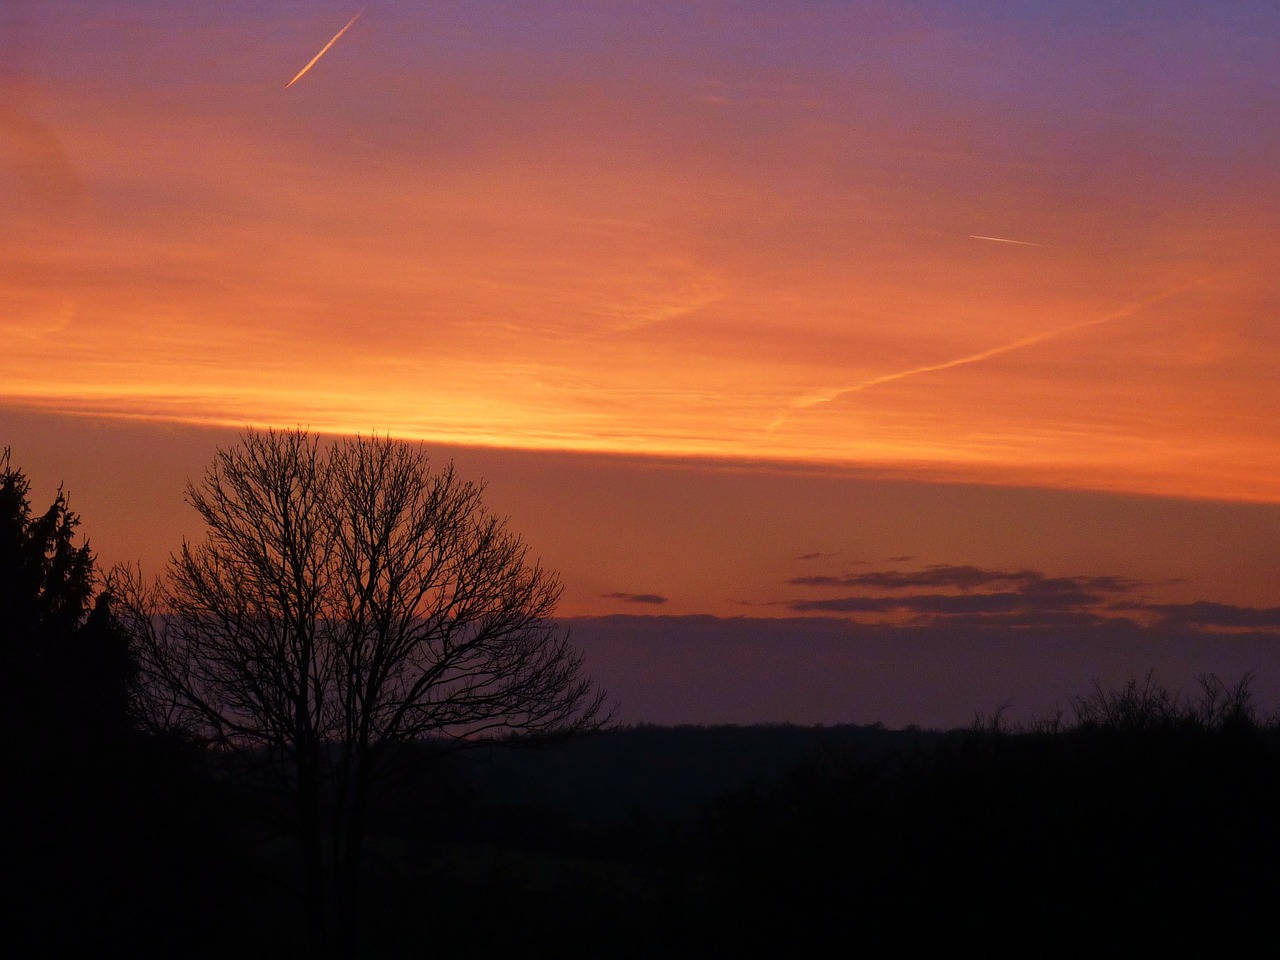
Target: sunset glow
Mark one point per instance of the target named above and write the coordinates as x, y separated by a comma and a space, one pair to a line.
733, 235
932, 343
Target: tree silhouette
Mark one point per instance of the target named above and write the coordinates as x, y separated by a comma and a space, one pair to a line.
45, 580
346, 599
64, 660
66, 737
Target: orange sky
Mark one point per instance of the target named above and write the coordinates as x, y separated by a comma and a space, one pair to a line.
716, 296
585, 228
711, 566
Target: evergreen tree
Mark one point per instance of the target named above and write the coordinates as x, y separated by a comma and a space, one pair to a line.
79, 798
65, 665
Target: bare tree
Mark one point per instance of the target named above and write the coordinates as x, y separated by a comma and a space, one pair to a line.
346, 599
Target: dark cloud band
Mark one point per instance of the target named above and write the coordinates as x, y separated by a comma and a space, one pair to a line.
650, 598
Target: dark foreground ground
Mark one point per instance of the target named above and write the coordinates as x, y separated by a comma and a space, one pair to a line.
1121, 831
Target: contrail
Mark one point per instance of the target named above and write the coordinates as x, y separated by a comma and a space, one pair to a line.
804, 403
1021, 243
323, 51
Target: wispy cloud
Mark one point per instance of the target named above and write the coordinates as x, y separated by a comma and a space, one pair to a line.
646, 598
978, 594
1225, 615
667, 276
1133, 309
968, 577
949, 604
980, 597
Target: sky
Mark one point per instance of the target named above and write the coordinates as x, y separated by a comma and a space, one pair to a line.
928, 349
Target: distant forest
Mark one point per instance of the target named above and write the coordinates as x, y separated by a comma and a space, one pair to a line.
1139, 819
685, 841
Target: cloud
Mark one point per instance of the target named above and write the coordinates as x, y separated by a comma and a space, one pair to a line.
968, 577
845, 605
1021, 343
950, 604
983, 599
977, 597
1082, 621
1041, 584
963, 577
650, 598
940, 575
1206, 614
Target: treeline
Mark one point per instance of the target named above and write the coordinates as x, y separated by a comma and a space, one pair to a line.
1140, 821
1140, 818
690, 841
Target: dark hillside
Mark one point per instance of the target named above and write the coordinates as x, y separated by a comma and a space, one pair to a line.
665, 772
